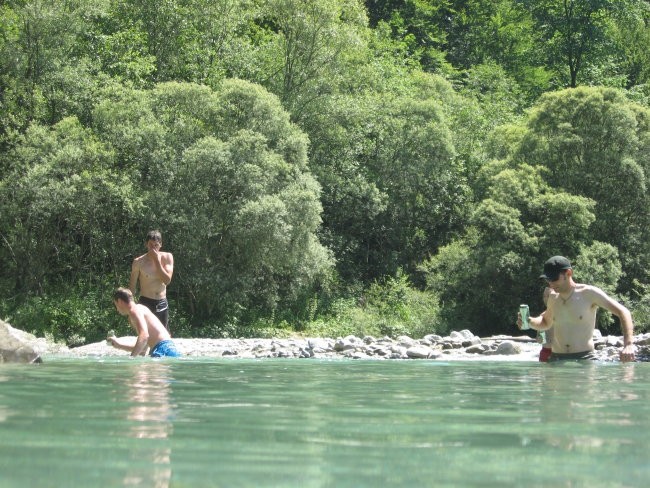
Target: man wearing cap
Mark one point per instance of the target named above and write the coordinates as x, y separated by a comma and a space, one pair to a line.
571, 311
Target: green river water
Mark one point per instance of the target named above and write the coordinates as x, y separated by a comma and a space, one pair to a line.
317, 423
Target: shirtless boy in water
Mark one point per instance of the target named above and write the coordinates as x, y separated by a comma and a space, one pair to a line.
153, 271
151, 332
571, 311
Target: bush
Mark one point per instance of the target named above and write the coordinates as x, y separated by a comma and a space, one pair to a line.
77, 316
261, 328
391, 307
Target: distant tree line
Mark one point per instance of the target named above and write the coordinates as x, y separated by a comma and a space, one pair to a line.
330, 167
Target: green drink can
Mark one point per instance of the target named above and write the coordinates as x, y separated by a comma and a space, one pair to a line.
525, 313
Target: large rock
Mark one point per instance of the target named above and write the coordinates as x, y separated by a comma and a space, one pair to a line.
17, 346
419, 352
508, 348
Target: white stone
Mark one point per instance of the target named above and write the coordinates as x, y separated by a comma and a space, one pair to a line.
418, 352
17, 346
508, 348
406, 341
467, 334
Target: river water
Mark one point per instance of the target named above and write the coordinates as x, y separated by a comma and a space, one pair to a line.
316, 423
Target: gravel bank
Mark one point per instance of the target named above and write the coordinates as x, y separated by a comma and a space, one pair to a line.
461, 345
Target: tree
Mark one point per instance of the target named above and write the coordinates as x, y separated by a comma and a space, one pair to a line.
631, 35
393, 190
219, 41
574, 34
64, 208
419, 25
247, 208
199, 41
161, 24
573, 181
306, 49
594, 143
224, 173
449, 37
44, 73
482, 276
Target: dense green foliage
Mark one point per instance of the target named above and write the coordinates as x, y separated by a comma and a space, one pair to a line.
332, 167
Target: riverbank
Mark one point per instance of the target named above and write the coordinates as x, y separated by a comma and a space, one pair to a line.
459, 345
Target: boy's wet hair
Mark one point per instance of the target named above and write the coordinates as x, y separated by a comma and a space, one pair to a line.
154, 235
123, 294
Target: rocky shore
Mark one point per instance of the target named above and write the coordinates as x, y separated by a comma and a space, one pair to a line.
459, 345
19, 346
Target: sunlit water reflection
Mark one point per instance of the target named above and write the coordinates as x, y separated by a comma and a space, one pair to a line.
314, 423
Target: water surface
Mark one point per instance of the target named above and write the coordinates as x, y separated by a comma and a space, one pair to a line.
318, 423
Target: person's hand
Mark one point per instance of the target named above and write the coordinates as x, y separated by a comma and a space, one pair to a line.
153, 248
519, 322
627, 353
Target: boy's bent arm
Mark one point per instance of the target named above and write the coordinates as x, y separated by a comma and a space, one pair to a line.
120, 344
627, 328
625, 317
628, 352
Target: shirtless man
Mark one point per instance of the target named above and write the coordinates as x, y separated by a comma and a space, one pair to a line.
151, 332
153, 271
571, 311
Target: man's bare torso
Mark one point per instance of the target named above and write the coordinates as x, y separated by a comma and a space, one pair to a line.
151, 286
157, 332
574, 320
